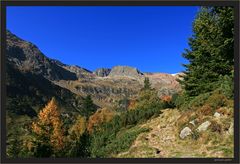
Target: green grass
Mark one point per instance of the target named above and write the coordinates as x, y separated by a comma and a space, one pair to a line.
124, 140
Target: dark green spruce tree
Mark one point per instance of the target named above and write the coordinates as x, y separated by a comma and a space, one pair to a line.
88, 106
211, 52
147, 84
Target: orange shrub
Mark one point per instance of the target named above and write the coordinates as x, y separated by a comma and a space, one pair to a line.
166, 98
132, 104
205, 110
100, 116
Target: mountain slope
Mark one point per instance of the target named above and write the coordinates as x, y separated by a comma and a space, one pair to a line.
26, 57
106, 86
29, 78
163, 141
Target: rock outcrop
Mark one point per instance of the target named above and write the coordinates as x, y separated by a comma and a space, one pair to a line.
79, 71
125, 71
26, 57
102, 72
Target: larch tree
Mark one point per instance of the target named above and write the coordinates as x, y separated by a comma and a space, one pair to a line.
48, 131
78, 128
78, 139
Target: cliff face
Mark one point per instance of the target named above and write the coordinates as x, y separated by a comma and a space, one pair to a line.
26, 57
102, 72
105, 85
119, 71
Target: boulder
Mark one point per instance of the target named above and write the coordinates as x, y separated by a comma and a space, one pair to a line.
185, 132
204, 126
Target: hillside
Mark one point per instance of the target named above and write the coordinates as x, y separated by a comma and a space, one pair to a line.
163, 139
59, 110
33, 79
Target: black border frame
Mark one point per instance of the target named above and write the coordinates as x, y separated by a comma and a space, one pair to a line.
234, 3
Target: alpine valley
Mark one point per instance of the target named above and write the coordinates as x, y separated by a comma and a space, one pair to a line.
33, 78
59, 110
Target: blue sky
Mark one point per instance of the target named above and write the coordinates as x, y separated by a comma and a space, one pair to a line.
149, 38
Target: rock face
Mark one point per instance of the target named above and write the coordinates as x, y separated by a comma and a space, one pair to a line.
79, 71
185, 132
102, 72
166, 84
125, 71
26, 57
204, 126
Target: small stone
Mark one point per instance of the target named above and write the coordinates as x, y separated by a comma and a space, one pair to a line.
192, 122
185, 132
230, 130
204, 126
217, 115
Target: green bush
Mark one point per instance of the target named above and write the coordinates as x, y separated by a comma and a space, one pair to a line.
214, 99
179, 100
217, 99
199, 100
226, 86
105, 140
123, 141
195, 135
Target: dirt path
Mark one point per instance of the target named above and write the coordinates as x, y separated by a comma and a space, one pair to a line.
163, 141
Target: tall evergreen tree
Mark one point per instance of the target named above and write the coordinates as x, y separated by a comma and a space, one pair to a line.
147, 84
88, 106
211, 50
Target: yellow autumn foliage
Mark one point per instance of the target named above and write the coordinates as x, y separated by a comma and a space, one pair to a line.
78, 128
100, 116
49, 124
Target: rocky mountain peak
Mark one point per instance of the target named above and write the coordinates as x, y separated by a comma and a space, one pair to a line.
102, 72
125, 71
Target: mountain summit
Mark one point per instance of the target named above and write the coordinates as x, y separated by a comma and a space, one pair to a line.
125, 71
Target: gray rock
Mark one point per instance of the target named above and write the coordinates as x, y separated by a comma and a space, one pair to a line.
230, 130
185, 132
102, 72
204, 126
192, 122
217, 115
125, 71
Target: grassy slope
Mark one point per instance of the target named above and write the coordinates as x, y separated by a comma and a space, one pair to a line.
164, 137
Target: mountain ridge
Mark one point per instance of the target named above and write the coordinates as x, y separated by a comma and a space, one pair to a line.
106, 85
